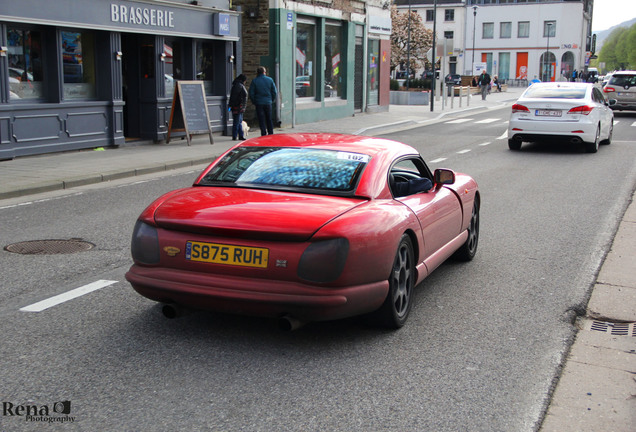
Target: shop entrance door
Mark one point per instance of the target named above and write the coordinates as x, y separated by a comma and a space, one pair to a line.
139, 90
130, 44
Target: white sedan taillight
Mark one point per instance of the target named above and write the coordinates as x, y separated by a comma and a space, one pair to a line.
519, 108
583, 109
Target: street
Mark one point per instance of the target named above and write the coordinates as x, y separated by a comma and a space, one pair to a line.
480, 351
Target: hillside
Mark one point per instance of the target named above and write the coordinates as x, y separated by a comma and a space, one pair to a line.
603, 34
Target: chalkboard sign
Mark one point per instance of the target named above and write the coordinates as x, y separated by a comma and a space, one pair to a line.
189, 111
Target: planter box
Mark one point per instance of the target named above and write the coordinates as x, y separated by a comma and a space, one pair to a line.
410, 98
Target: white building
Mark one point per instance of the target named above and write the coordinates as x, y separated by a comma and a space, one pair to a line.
513, 39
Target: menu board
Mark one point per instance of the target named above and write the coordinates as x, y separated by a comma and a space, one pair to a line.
189, 111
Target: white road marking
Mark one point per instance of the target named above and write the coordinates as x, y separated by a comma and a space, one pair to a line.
488, 120
485, 144
437, 160
633, 124
462, 120
463, 151
503, 136
69, 295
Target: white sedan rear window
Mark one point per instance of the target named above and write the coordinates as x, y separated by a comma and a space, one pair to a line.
555, 92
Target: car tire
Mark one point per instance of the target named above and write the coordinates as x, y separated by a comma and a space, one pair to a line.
608, 141
514, 144
468, 250
592, 147
397, 305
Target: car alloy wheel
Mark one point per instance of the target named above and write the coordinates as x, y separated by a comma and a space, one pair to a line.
592, 147
397, 305
468, 250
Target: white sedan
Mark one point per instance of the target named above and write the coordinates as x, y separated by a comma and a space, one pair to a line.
566, 111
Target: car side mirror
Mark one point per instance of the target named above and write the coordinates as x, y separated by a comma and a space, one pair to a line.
612, 102
444, 176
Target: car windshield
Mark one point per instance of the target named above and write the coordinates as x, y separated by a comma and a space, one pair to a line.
305, 168
555, 92
623, 80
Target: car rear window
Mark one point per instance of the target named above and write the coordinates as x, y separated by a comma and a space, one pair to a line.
305, 168
555, 92
623, 80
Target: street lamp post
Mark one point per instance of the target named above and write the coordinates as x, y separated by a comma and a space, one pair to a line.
547, 51
472, 66
408, 50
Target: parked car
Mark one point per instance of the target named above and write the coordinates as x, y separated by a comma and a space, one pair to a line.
574, 112
305, 227
622, 87
454, 79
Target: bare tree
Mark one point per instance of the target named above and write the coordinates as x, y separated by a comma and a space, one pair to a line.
409, 46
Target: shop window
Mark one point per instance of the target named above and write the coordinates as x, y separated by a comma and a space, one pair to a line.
305, 59
333, 60
374, 75
173, 68
504, 66
205, 66
24, 55
78, 60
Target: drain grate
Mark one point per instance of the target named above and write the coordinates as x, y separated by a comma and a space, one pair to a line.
50, 247
616, 329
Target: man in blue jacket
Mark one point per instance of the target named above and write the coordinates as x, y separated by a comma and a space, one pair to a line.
263, 95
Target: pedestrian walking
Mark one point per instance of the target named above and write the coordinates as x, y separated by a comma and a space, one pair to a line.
263, 94
237, 103
484, 83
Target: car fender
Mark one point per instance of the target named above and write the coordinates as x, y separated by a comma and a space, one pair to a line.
374, 231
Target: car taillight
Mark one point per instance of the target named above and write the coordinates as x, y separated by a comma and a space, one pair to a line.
519, 108
583, 109
609, 89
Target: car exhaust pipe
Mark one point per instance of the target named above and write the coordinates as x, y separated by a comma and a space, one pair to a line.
289, 323
576, 140
173, 311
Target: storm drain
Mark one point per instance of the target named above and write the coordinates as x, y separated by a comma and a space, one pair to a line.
615, 329
49, 247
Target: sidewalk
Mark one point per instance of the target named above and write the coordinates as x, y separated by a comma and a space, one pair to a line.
597, 387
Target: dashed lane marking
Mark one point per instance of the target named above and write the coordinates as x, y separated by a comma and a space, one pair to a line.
461, 120
488, 120
69, 295
437, 160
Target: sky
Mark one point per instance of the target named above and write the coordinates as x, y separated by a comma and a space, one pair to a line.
608, 13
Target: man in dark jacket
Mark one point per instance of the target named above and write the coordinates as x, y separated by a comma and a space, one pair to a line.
237, 103
263, 94
484, 83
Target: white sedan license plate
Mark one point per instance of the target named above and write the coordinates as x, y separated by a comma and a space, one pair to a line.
227, 254
547, 113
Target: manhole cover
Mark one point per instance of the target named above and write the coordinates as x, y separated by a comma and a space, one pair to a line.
49, 247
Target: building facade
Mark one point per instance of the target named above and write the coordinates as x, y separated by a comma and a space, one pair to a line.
513, 39
89, 73
329, 59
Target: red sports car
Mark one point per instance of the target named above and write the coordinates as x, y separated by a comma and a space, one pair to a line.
305, 227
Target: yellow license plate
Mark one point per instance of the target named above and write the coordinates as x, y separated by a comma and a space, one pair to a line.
227, 254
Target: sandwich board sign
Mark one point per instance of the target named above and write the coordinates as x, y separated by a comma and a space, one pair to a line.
189, 111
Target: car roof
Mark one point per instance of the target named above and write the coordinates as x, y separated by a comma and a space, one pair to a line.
624, 72
333, 141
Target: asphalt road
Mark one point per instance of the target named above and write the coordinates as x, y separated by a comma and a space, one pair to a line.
480, 351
